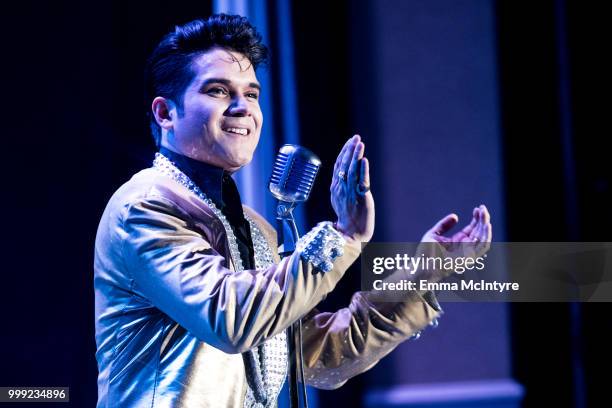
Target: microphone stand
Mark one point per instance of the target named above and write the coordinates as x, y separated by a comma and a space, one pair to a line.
289, 236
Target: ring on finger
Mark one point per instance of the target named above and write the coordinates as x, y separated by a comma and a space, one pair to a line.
342, 175
362, 189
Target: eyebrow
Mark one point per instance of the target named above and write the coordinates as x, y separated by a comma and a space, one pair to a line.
227, 82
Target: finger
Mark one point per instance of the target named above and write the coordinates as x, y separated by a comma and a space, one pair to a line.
470, 228
469, 231
342, 152
485, 242
364, 174
353, 175
486, 230
445, 224
483, 221
478, 232
485, 233
348, 153
486, 217
341, 155
489, 233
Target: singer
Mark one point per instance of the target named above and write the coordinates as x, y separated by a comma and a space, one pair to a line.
192, 300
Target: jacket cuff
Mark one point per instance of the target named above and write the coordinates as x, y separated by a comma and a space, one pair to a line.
321, 246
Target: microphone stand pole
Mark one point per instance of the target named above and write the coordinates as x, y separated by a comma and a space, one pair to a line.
289, 236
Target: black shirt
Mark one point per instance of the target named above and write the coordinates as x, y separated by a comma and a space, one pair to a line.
219, 186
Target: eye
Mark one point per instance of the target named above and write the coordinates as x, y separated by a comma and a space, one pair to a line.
252, 95
217, 91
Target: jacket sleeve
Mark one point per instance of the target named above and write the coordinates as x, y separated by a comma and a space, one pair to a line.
340, 345
180, 273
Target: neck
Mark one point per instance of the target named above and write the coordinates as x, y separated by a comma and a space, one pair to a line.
202, 158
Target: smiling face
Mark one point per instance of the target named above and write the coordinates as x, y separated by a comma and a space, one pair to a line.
220, 122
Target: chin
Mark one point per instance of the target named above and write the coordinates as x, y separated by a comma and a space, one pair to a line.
238, 162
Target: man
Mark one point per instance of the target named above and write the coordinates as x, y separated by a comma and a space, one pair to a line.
192, 301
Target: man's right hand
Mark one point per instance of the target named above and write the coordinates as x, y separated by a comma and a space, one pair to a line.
473, 241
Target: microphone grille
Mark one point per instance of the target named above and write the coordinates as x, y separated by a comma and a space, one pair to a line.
294, 173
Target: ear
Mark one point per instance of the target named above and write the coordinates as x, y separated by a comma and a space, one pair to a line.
164, 111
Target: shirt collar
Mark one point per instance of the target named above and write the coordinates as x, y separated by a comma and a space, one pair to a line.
208, 178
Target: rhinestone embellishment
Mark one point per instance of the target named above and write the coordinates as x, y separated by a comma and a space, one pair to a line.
321, 246
271, 355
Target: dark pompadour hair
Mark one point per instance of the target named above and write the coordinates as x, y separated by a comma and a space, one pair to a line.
169, 68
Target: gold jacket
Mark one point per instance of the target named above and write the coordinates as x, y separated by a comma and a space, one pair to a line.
172, 315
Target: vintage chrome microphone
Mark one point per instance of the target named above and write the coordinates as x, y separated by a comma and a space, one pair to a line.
292, 179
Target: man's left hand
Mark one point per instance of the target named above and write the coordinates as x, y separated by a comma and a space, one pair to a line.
351, 197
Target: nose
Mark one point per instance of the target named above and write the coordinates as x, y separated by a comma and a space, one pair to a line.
239, 107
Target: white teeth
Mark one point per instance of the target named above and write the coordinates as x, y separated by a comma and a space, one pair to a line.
239, 131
